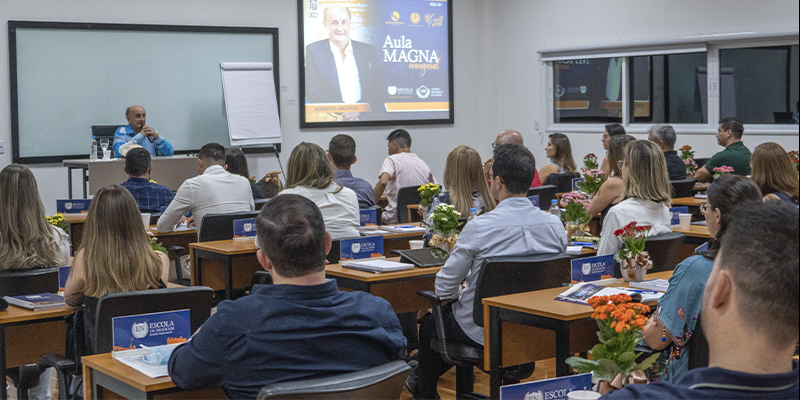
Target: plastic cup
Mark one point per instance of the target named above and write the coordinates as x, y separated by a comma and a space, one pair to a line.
107, 155
416, 244
583, 395
685, 221
146, 220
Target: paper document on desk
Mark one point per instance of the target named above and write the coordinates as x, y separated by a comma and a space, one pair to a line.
581, 292
404, 228
136, 362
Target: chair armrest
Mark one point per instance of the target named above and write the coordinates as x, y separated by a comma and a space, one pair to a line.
56, 361
436, 306
430, 296
176, 252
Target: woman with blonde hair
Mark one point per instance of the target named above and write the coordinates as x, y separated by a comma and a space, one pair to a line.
773, 172
115, 255
309, 174
27, 240
465, 183
612, 191
559, 151
649, 192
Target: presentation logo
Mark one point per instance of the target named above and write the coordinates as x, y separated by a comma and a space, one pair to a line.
537, 395
248, 227
68, 206
560, 91
356, 248
423, 92
583, 89
139, 330
392, 90
433, 21
395, 16
586, 268
415, 18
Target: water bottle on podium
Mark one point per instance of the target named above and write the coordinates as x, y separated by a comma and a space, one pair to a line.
93, 152
554, 209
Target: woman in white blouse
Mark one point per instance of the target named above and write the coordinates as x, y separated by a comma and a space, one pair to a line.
649, 192
309, 174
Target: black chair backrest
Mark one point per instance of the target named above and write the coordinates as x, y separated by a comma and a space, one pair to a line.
196, 299
500, 276
405, 196
382, 382
260, 203
562, 182
105, 132
663, 250
683, 187
701, 162
220, 226
546, 193
29, 281
698, 347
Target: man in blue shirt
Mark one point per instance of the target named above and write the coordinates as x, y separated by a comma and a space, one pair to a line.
300, 327
141, 134
514, 228
150, 196
749, 314
342, 153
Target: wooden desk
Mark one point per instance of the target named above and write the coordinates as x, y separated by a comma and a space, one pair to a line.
527, 327
102, 372
699, 186
687, 201
695, 231
18, 325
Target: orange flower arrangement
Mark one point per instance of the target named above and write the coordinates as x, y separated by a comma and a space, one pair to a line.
618, 312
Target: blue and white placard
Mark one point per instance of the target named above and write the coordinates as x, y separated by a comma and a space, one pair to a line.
73, 206
63, 274
369, 217
534, 200
575, 183
676, 212
591, 269
244, 228
356, 249
702, 248
548, 389
156, 329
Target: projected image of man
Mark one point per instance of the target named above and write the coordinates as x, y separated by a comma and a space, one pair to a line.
341, 70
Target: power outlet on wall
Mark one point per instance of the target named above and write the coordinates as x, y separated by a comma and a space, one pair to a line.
2, 147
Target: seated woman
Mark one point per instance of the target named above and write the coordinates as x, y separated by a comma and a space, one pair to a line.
27, 240
671, 327
559, 151
115, 254
309, 174
237, 164
644, 173
465, 183
613, 189
611, 131
773, 172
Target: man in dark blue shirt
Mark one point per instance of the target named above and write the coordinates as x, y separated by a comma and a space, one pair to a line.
749, 314
150, 196
301, 327
342, 153
664, 136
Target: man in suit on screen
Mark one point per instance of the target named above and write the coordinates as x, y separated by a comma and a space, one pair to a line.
340, 70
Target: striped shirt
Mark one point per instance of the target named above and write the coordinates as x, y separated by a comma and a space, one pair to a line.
149, 196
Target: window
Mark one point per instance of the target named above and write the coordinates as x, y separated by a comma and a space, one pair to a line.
588, 91
667, 89
759, 85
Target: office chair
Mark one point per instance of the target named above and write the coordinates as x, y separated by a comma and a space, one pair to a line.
382, 382
701, 162
498, 276
196, 299
260, 203
405, 196
663, 250
683, 188
20, 283
562, 182
546, 194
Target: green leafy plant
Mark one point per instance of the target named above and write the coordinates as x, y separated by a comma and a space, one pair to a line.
426, 193
58, 221
575, 205
157, 246
445, 219
590, 162
592, 180
633, 238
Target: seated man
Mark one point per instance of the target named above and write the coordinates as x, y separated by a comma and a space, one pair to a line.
401, 169
141, 134
342, 153
508, 137
300, 327
749, 314
664, 136
514, 228
213, 191
150, 196
735, 155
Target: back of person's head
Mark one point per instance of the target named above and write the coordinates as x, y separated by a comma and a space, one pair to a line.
117, 256
773, 170
647, 173
664, 133
734, 124
515, 165
309, 166
291, 233
463, 176
616, 151
401, 138
26, 238
237, 162
726, 194
760, 251
563, 157
615, 129
342, 149
509, 136
212, 154
137, 162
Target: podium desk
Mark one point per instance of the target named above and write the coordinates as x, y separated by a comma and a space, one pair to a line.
525, 327
687, 201
167, 171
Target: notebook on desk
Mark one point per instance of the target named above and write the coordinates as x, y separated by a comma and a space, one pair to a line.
378, 266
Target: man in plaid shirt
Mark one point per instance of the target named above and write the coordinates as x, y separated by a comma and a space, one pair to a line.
150, 196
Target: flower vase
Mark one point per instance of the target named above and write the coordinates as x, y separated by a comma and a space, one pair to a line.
574, 226
446, 243
635, 268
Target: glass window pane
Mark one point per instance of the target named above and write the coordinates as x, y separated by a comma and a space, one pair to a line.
588, 90
759, 85
668, 88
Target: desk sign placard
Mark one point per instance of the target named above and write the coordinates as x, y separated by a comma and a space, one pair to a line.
244, 228
356, 249
156, 329
73, 206
369, 217
592, 269
575, 183
534, 200
702, 248
548, 389
676, 211
63, 274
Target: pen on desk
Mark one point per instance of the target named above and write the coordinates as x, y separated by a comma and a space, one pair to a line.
583, 244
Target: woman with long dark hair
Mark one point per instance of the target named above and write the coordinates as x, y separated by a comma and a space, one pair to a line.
559, 151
